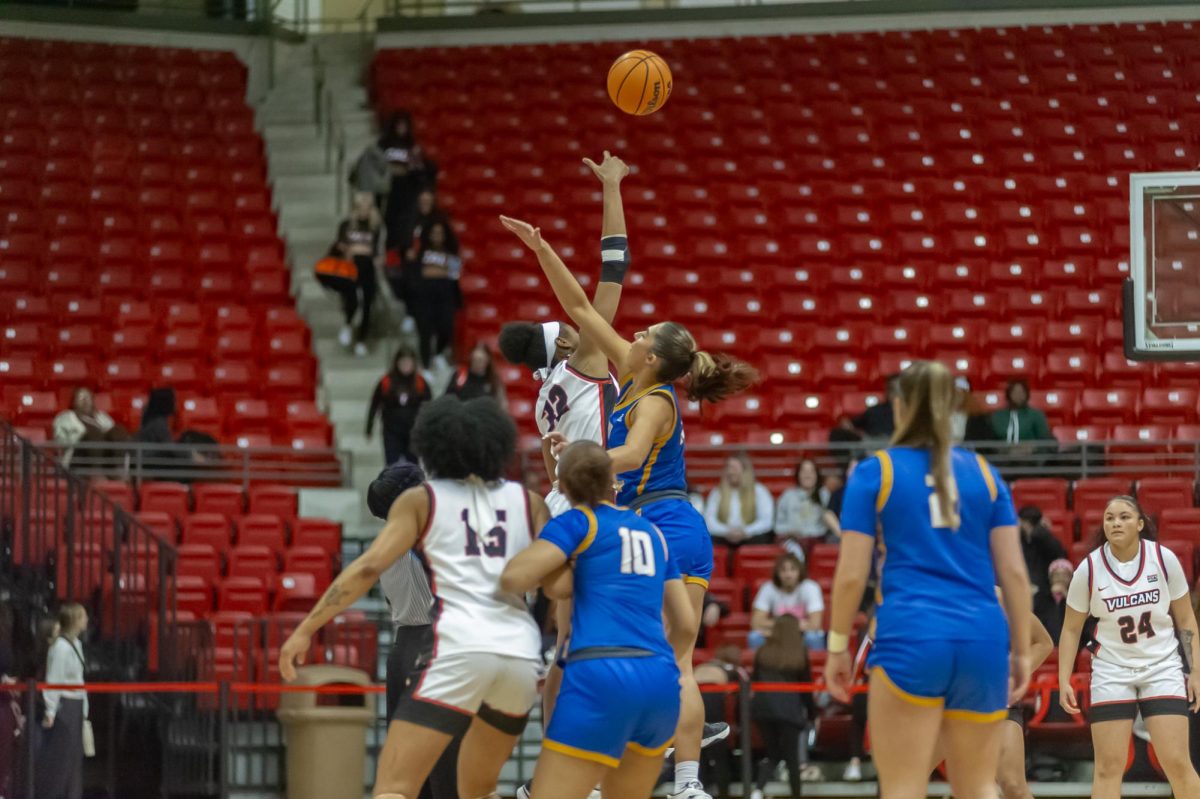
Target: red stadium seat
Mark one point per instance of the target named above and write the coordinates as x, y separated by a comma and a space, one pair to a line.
1047, 494
1094, 492
198, 560
1157, 494
219, 498
252, 560
1179, 523
207, 528
309, 559
296, 591
273, 500
247, 594
322, 533
169, 498
262, 530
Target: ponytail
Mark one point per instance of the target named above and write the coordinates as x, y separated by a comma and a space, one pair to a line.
928, 392
713, 378
707, 377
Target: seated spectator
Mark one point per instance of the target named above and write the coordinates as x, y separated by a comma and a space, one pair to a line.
1060, 573
971, 422
84, 422
1019, 423
722, 669
478, 378
877, 422
157, 415
803, 510
713, 611
789, 592
438, 296
782, 717
399, 395
1040, 548
740, 510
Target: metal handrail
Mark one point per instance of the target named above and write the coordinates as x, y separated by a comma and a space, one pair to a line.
139, 461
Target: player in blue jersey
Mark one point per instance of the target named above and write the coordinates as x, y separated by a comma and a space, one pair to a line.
646, 444
946, 661
619, 701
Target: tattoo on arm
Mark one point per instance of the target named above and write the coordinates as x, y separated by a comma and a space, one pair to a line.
333, 597
1185, 637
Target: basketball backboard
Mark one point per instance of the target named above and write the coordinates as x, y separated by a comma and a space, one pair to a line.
1162, 295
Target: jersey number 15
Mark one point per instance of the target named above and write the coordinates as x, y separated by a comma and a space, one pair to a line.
495, 541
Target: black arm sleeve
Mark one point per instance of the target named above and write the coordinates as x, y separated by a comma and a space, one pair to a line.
376, 404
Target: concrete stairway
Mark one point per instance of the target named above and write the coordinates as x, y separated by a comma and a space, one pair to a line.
302, 152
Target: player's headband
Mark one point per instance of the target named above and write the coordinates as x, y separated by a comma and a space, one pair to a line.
550, 331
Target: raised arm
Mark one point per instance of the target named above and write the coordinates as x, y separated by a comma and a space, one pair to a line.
405, 521
614, 259
570, 294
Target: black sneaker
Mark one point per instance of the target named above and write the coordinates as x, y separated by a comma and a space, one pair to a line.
712, 733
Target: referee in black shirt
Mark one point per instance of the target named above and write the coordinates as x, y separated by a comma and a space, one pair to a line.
406, 589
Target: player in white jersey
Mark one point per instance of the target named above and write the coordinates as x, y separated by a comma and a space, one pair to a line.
1136, 590
577, 391
465, 523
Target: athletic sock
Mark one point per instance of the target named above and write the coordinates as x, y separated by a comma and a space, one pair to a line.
686, 773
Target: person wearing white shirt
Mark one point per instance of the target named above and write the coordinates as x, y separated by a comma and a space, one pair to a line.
60, 760
803, 510
789, 592
740, 510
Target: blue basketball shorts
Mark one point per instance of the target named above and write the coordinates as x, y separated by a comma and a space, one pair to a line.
608, 705
687, 537
968, 679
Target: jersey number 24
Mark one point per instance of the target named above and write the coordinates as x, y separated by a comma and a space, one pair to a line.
1130, 633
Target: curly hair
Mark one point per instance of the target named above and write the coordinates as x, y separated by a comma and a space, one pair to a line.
393, 481
523, 343
456, 439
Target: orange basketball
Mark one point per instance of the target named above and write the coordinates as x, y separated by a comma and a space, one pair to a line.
639, 82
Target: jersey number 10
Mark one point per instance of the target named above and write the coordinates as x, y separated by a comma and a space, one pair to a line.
637, 552
1130, 635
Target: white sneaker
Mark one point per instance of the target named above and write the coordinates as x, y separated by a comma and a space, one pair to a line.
523, 792
409, 325
756, 794
595, 794
853, 772
345, 336
360, 349
693, 790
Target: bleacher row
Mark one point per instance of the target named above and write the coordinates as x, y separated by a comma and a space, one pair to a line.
137, 234
235, 551
958, 194
1072, 510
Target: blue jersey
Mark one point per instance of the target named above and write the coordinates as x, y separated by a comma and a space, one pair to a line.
664, 468
621, 565
935, 582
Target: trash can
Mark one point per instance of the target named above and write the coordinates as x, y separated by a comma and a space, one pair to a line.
326, 735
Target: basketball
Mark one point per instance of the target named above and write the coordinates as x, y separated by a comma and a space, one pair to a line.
639, 82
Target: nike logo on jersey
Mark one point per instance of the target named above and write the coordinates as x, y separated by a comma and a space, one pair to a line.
1132, 600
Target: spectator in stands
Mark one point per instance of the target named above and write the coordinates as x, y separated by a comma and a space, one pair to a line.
782, 716
12, 720
398, 396
157, 415
372, 173
723, 668
971, 420
84, 422
1040, 548
478, 378
789, 592
740, 510
60, 760
411, 171
438, 297
1019, 423
1060, 573
360, 241
403, 267
877, 422
803, 510
713, 611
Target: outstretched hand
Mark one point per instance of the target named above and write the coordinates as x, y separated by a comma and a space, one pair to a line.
527, 233
611, 170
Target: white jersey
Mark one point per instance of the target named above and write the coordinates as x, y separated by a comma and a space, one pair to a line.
575, 405
474, 530
1131, 602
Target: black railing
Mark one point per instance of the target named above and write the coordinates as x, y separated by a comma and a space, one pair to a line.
64, 538
296, 465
